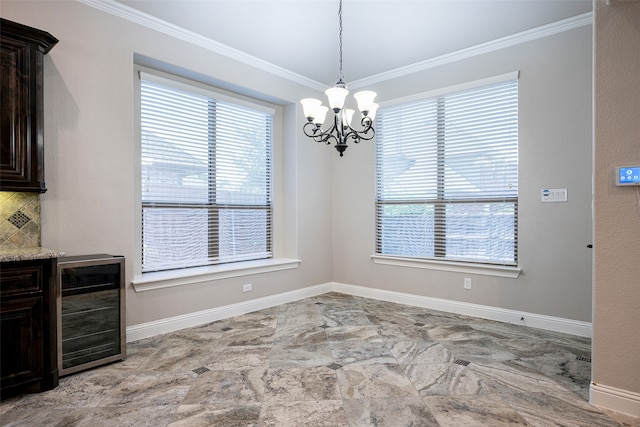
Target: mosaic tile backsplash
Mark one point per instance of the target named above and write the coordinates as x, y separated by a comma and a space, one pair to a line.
19, 220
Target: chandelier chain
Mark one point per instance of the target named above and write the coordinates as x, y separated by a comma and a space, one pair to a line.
340, 76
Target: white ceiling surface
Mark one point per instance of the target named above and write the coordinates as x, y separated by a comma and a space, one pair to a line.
378, 35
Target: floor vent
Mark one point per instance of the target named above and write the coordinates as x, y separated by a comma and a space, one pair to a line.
461, 362
334, 366
201, 370
583, 359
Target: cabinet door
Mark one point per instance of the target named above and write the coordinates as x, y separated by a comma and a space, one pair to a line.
21, 142
21, 359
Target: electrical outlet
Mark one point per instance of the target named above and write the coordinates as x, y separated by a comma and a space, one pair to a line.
247, 288
467, 283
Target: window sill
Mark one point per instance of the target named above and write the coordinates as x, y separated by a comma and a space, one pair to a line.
190, 276
458, 267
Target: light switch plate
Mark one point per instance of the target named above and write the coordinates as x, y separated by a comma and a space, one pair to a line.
554, 195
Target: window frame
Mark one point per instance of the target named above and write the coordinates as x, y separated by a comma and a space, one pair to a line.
438, 262
145, 281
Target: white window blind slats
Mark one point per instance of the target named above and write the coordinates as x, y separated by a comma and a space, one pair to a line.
206, 178
447, 176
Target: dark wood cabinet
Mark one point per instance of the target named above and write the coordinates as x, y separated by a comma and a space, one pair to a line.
28, 321
21, 126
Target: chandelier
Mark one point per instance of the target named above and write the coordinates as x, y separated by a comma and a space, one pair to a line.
340, 130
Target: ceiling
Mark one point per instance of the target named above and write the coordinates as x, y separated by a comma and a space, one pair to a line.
301, 36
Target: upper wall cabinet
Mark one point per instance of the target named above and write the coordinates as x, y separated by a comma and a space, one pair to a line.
21, 129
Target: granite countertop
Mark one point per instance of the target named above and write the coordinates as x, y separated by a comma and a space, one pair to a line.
26, 254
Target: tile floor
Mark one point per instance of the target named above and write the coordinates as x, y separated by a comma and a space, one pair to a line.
332, 360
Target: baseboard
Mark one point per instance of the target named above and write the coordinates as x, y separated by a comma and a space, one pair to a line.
557, 324
171, 324
623, 401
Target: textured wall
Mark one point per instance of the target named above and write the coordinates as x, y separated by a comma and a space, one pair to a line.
616, 355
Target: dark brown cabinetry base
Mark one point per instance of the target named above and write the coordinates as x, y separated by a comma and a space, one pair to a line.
28, 321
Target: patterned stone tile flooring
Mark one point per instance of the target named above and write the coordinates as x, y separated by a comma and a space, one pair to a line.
332, 360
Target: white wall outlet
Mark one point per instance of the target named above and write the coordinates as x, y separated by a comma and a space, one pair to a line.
467, 283
247, 288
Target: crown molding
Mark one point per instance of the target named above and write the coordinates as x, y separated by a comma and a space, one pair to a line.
501, 43
133, 15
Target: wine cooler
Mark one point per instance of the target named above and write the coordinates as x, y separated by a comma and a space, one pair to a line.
91, 310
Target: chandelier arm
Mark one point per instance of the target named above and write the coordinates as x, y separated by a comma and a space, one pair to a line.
333, 134
365, 134
357, 136
318, 135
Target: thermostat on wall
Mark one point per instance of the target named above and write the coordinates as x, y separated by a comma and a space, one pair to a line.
627, 175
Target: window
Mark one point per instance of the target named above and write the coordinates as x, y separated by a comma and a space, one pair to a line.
447, 176
206, 176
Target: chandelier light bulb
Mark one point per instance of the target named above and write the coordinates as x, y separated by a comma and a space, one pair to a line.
365, 100
337, 96
372, 111
348, 116
320, 114
309, 106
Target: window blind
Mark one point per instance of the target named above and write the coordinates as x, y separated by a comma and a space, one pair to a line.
205, 178
447, 176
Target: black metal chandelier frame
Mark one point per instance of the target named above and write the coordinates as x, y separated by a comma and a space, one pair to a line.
341, 132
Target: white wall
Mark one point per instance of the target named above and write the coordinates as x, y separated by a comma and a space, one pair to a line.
89, 134
89, 207
554, 152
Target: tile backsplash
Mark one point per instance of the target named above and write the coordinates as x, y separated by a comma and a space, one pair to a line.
19, 220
